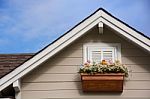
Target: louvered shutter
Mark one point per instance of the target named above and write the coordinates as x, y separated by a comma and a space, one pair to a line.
97, 54
108, 54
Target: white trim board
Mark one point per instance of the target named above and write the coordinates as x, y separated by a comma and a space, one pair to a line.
75, 33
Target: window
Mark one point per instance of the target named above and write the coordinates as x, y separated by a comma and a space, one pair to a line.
96, 52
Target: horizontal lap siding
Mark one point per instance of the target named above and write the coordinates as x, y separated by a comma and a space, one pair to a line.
58, 69
127, 94
59, 77
136, 60
66, 61
49, 86
74, 69
139, 68
126, 52
76, 77
52, 77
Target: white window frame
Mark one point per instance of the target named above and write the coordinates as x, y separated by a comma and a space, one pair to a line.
117, 51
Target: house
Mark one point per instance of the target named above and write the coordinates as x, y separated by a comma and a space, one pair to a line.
53, 71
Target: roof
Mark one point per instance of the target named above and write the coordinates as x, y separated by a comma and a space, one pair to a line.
9, 62
80, 29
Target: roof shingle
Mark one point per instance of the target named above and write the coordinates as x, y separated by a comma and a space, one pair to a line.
9, 62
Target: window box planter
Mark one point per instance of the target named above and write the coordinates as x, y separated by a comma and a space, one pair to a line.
103, 77
107, 82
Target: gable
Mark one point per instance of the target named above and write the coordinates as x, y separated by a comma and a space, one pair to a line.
59, 74
99, 16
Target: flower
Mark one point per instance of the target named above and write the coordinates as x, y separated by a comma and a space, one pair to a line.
110, 62
87, 64
104, 62
88, 61
104, 67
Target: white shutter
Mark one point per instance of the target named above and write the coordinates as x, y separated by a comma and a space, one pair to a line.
96, 56
96, 52
108, 54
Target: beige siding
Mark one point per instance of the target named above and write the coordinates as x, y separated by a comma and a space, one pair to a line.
73, 94
126, 52
58, 77
139, 68
75, 77
136, 60
130, 85
52, 77
66, 61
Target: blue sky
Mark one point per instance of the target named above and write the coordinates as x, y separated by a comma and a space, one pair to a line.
26, 26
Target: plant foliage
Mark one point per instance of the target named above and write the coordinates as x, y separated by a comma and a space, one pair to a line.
103, 67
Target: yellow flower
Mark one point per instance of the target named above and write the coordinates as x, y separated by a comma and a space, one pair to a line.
104, 62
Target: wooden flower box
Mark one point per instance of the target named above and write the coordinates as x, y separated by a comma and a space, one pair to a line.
108, 82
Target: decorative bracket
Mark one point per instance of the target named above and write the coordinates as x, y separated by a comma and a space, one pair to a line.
17, 86
100, 27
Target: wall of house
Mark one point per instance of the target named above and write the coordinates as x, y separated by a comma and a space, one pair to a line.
58, 77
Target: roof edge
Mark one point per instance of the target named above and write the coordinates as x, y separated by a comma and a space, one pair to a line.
142, 34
